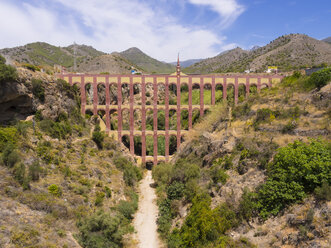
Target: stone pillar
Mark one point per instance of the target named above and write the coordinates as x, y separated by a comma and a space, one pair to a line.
225, 85
107, 105
70, 79
213, 90
236, 87
82, 94
131, 117
155, 119
201, 96
190, 111
247, 87
143, 120
259, 84
166, 113
178, 112
119, 108
95, 96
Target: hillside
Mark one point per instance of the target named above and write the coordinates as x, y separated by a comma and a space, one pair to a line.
40, 53
288, 52
186, 63
328, 40
253, 175
146, 62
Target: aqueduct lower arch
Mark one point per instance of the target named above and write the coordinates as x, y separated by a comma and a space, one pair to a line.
108, 81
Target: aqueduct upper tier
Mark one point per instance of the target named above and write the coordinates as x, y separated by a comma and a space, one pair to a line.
190, 82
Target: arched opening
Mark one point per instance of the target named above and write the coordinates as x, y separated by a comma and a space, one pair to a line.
207, 94
125, 93
264, 87
137, 93
196, 94
137, 145
172, 94
218, 93
172, 119
230, 94
149, 120
195, 116
126, 141
149, 94
113, 119
125, 119
89, 93
184, 119
241, 92
161, 94
172, 144
206, 112
149, 165
161, 145
88, 113
252, 89
113, 94
101, 94
184, 94
137, 116
161, 119
102, 115
76, 87
149, 145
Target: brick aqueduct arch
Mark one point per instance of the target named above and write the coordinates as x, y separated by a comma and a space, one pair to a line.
177, 79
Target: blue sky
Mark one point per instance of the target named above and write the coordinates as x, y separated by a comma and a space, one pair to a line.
161, 28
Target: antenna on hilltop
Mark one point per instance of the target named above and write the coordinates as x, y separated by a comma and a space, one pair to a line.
75, 52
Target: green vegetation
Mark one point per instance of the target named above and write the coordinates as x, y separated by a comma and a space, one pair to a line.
131, 173
320, 78
38, 89
7, 72
98, 136
55, 190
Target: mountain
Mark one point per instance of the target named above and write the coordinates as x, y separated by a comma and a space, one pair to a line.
145, 62
328, 40
186, 63
41, 53
288, 52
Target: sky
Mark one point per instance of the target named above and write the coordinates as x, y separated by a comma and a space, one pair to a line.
161, 28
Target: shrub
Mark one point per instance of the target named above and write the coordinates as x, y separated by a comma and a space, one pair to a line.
323, 192
290, 126
126, 208
108, 191
218, 175
247, 204
7, 72
101, 230
131, 173
8, 136
35, 170
55, 190
10, 156
20, 175
320, 78
38, 89
98, 136
175, 190
99, 198
31, 67
57, 130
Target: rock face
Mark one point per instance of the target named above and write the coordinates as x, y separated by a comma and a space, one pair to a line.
18, 102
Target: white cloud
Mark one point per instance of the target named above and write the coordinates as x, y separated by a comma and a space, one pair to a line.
229, 10
109, 26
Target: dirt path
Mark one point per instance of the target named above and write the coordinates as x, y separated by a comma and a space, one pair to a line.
145, 218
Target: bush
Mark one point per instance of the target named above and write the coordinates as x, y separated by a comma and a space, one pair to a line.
57, 130
38, 89
10, 156
297, 169
7, 72
127, 209
55, 190
323, 193
98, 136
247, 205
320, 78
131, 173
101, 230
175, 190
20, 175
31, 67
218, 175
99, 198
35, 170
8, 136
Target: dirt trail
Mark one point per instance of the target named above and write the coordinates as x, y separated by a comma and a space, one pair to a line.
145, 218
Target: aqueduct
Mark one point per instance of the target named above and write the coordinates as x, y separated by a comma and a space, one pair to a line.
203, 83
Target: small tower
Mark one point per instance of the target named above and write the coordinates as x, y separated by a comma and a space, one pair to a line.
178, 67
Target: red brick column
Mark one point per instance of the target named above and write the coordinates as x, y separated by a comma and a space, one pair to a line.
95, 96
247, 87
119, 108
259, 84
155, 119
236, 86
107, 105
82, 94
178, 112
143, 120
166, 113
131, 117
213, 90
201, 96
225, 85
190, 104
